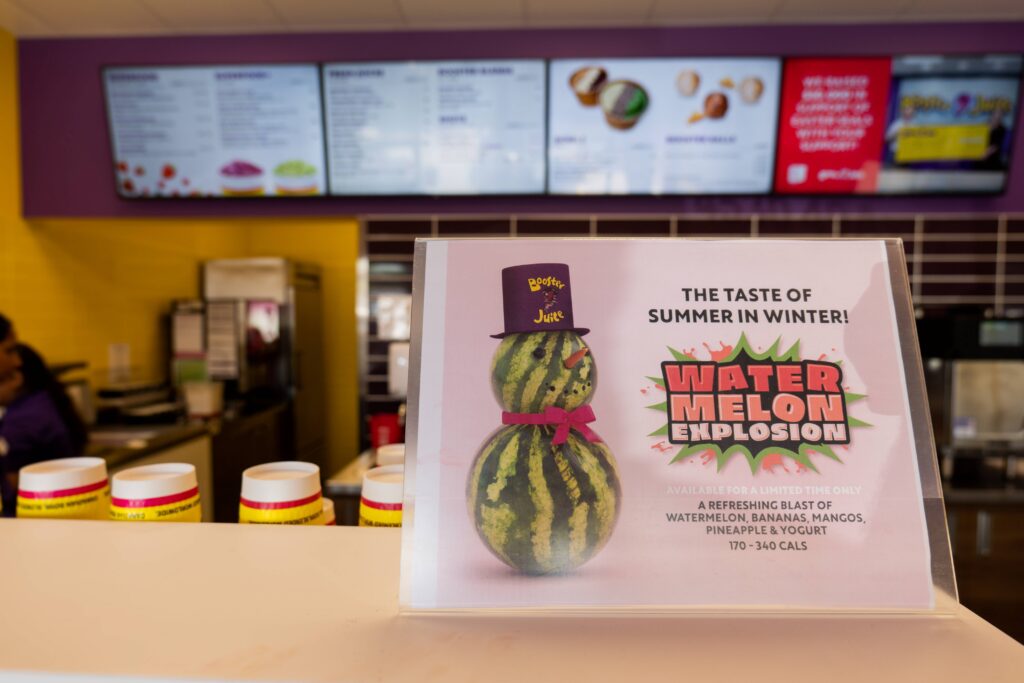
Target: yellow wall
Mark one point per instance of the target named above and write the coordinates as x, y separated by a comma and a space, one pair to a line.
73, 287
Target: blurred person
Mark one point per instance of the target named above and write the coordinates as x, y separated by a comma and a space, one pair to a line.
40, 423
10, 361
892, 134
997, 133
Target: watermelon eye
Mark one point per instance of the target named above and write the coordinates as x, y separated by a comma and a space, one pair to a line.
538, 353
551, 388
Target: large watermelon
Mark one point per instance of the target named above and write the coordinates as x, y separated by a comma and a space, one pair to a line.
529, 373
543, 508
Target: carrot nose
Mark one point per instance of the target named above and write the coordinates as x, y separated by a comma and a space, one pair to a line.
575, 358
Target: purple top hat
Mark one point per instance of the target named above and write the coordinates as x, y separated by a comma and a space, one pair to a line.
537, 298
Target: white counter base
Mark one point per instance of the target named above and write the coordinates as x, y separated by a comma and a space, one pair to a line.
216, 601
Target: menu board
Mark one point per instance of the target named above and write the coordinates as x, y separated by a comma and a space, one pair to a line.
662, 126
218, 131
915, 124
436, 128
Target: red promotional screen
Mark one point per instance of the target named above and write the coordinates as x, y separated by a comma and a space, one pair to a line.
831, 125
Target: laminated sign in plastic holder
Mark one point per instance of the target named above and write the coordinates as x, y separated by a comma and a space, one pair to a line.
669, 424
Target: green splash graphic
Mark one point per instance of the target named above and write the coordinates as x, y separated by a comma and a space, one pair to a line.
722, 458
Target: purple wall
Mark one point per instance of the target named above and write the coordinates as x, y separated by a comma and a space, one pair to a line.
67, 165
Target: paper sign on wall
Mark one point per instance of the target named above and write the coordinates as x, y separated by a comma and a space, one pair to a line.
646, 424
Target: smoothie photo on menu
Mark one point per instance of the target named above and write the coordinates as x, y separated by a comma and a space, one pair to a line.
295, 177
241, 179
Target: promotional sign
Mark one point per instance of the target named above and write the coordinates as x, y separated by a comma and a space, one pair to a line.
662, 126
668, 423
436, 127
831, 125
902, 125
221, 131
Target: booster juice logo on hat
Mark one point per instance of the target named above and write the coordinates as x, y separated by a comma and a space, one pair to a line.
549, 287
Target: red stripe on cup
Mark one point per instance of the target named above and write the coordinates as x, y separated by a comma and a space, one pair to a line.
78, 490
256, 505
381, 506
153, 502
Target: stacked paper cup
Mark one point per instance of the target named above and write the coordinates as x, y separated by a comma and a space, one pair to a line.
391, 454
68, 488
381, 502
329, 518
167, 492
281, 493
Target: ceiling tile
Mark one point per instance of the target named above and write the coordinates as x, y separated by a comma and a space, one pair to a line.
338, 14
94, 17
816, 10
20, 22
463, 13
208, 16
717, 12
976, 9
587, 12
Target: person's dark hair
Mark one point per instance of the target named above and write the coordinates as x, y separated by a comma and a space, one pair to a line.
5, 327
37, 376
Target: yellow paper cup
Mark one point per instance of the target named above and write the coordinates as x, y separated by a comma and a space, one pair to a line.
167, 492
381, 502
67, 488
329, 519
285, 492
391, 454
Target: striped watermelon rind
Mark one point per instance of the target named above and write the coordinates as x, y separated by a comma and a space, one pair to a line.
528, 373
542, 508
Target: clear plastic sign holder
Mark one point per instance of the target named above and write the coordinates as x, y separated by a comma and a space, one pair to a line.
423, 519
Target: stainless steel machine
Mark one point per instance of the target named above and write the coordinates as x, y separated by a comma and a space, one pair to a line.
263, 337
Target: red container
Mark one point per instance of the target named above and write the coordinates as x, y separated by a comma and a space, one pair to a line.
385, 429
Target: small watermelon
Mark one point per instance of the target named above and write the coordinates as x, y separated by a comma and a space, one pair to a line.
543, 508
534, 370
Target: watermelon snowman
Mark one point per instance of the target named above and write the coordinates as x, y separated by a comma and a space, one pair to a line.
543, 491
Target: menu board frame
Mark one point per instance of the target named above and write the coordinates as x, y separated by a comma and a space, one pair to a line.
772, 192
544, 63
892, 56
105, 68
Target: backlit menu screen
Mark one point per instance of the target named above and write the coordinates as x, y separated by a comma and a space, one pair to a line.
901, 125
435, 128
219, 131
662, 126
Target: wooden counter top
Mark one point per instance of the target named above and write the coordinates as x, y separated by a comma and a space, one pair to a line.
321, 604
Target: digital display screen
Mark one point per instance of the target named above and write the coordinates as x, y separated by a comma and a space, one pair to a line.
904, 125
1001, 333
662, 126
218, 131
436, 128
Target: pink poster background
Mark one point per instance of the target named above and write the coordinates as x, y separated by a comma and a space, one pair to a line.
648, 560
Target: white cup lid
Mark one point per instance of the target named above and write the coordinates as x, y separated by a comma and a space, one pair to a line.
153, 481
62, 474
328, 510
281, 482
391, 454
384, 484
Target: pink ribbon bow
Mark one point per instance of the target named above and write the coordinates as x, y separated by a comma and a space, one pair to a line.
564, 419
